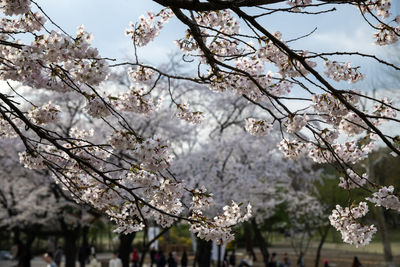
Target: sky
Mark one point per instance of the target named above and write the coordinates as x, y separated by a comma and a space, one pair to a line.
107, 21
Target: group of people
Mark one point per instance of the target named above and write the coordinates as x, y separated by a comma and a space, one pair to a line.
158, 259
53, 261
247, 261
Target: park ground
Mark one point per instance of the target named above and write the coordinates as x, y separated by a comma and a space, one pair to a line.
338, 255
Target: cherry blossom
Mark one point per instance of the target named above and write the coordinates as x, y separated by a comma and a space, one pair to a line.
6, 129
137, 101
344, 220
296, 123
352, 180
220, 226
257, 127
97, 107
45, 114
184, 113
342, 72
352, 124
141, 74
148, 28
15, 7
386, 198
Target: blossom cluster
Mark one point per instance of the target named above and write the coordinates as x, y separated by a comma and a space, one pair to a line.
185, 114
219, 228
6, 129
154, 154
97, 107
349, 152
141, 74
297, 4
136, 100
345, 221
352, 124
122, 140
223, 21
382, 7
384, 109
38, 158
386, 198
386, 34
288, 67
148, 27
352, 180
295, 123
258, 127
342, 72
201, 200
330, 105
53, 59
14, 7
45, 114
30, 22
293, 149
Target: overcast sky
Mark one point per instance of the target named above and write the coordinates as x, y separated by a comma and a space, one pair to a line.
107, 20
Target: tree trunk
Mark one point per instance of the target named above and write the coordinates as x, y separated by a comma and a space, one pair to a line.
219, 256
382, 229
261, 242
25, 254
324, 234
85, 236
83, 252
249, 240
125, 247
380, 217
70, 249
143, 256
203, 253
16, 236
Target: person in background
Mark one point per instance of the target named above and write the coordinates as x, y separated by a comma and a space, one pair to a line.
232, 259
115, 261
161, 259
247, 261
273, 262
225, 261
48, 258
300, 260
135, 257
175, 256
286, 260
184, 260
153, 259
92, 250
82, 256
93, 261
14, 251
326, 263
58, 256
356, 262
171, 260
